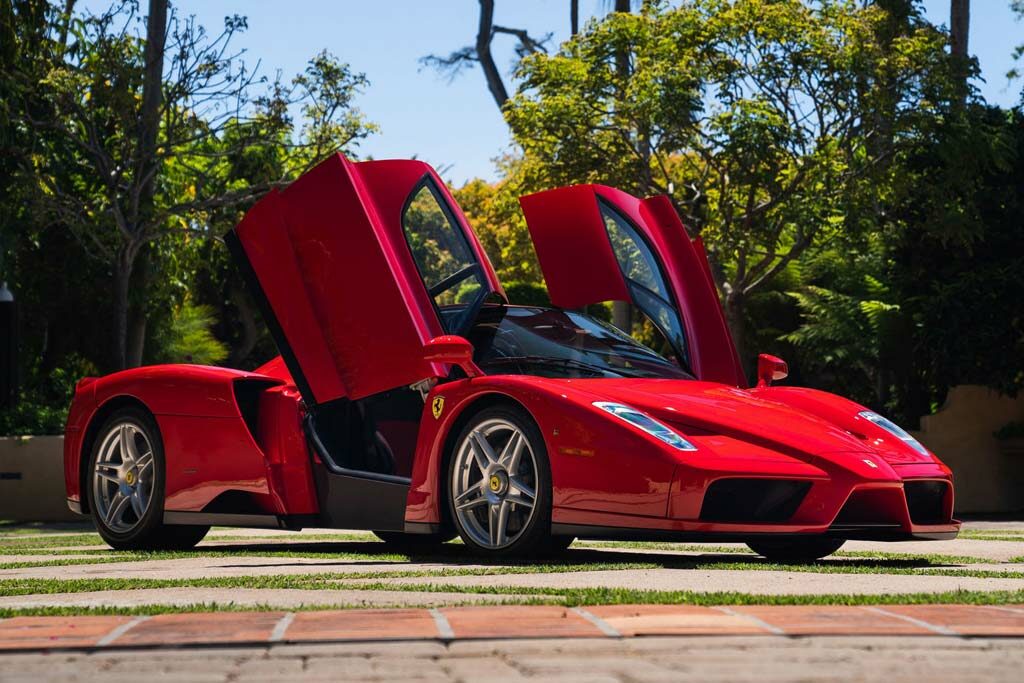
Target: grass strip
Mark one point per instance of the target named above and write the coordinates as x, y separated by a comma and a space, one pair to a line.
364, 580
856, 562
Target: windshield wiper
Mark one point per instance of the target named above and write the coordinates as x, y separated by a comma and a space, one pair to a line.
562, 362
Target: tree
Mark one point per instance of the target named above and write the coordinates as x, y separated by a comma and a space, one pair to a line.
480, 52
143, 134
1017, 6
959, 33
748, 114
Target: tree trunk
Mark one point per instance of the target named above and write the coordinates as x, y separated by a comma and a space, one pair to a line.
247, 317
122, 286
137, 307
622, 316
130, 346
959, 30
136, 344
735, 310
152, 92
484, 36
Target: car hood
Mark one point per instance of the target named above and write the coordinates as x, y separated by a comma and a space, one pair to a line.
809, 424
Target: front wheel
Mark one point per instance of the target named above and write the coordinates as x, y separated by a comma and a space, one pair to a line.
796, 550
499, 484
126, 486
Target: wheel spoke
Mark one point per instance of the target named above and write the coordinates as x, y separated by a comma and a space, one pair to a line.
118, 504
144, 464
107, 471
470, 498
129, 454
522, 488
519, 501
482, 450
510, 454
497, 521
137, 506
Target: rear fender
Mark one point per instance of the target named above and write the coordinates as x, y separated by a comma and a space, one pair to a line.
210, 420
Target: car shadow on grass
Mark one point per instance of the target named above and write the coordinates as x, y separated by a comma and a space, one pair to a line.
573, 559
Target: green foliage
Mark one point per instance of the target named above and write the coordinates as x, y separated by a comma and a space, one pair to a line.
493, 211
1010, 430
43, 401
189, 338
527, 294
86, 242
750, 114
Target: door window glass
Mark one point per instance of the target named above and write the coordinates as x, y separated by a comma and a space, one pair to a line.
644, 279
441, 252
634, 256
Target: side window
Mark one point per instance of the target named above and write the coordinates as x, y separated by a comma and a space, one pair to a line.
442, 254
644, 278
634, 256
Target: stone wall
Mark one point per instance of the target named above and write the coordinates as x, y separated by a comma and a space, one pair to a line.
985, 479
32, 479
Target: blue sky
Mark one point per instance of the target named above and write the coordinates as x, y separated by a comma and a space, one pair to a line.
456, 126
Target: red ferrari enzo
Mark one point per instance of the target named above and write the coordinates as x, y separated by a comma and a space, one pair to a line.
412, 400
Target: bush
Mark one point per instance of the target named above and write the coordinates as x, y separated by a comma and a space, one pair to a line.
42, 406
1010, 430
527, 294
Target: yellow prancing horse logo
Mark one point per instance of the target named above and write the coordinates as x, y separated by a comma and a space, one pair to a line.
437, 406
129, 479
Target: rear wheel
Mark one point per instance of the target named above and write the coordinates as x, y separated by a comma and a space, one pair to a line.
796, 550
126, 486
499, 484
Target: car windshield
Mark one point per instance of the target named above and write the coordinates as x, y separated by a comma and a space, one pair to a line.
524, 340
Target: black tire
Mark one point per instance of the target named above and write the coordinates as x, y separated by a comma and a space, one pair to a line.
414, 543
534, 536
796, 550
147, 532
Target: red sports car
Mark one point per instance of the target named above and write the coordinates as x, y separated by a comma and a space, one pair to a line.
412, 400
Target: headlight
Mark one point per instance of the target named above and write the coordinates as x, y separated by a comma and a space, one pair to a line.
894, 429
646, 423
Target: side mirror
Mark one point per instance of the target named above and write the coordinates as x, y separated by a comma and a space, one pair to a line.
769, 369
454, 350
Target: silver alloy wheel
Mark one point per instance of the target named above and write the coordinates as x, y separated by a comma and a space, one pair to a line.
123, 477
494, 483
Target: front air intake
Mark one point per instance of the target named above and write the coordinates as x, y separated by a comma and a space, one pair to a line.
926, 501
753, 500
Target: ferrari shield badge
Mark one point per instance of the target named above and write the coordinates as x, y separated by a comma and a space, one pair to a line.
437, 406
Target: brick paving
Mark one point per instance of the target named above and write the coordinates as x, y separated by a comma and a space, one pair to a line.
503, 622
708, 659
